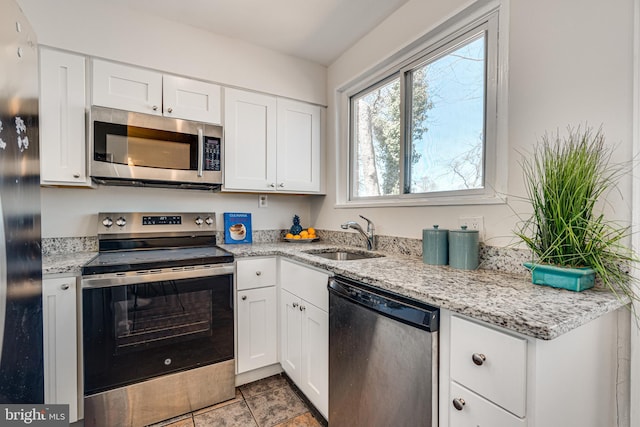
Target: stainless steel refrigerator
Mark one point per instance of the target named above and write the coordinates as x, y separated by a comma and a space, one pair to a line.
21, 360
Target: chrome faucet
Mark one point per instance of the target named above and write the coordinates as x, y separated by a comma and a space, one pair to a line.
371, 238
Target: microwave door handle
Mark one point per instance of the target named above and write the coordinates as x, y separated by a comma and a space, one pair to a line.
200, 152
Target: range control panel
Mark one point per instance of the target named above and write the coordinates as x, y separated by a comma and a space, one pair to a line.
137, 222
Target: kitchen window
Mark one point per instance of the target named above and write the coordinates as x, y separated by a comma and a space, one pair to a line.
425, 130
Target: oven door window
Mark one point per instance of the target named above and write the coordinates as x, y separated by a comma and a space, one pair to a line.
137, 146
135, 332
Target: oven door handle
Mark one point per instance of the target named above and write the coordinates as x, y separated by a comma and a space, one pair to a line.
159, 275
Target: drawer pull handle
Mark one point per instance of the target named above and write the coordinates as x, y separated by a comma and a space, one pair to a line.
258, 273
244, 297
458, 403
64, 287
478, 358
295, 304
303, 308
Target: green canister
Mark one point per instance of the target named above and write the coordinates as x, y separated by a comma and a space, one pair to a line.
435, 246
463, 248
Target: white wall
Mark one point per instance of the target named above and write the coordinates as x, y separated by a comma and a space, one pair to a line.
570, 62
72, 212
94, 28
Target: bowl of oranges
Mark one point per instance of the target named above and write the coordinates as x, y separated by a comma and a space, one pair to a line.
306, 236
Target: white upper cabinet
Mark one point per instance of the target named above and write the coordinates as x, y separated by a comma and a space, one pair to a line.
63, 158
271, 144
146, 91
250, 141
191, 99
298, 146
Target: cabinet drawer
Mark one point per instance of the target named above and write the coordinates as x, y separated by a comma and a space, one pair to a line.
256, 273
477, 411
489, 362
306, 283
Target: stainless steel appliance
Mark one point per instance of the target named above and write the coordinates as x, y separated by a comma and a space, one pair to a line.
21, 357
144, 150
157, 322
383, 358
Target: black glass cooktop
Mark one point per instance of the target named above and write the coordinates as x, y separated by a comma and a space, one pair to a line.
122, 261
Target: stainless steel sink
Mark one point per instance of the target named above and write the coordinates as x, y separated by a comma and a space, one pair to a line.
345, 255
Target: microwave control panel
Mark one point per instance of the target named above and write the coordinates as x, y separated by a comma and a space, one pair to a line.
212, 154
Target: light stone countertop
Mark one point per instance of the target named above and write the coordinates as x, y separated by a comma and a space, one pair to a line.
510, 301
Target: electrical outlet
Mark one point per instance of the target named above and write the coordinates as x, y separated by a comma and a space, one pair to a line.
262, 201
473, 223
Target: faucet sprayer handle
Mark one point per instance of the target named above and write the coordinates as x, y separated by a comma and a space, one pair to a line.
369, 223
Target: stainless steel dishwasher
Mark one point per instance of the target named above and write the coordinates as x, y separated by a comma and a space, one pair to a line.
383, 358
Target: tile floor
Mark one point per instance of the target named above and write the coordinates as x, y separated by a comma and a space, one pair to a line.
270, 402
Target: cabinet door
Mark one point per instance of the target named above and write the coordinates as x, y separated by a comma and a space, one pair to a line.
250, 141
290, 333
127, 88
191, 99
315, 356
257, 329
60, 345
62, 119
305, 282
299, 153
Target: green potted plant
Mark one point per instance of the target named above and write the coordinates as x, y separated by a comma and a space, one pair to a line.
566, 179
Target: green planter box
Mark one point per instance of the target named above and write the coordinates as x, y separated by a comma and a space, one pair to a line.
573, 279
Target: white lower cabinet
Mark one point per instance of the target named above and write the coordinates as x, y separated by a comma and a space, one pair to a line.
257, 313
60, 343
257, 328
492, 377
304, 331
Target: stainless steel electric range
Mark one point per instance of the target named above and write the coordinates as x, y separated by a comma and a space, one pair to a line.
157, 314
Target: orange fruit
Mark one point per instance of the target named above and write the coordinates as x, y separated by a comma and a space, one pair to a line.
297, 237
289, 236
311, 230
304, 234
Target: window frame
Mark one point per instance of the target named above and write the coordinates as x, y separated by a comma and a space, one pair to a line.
453, 33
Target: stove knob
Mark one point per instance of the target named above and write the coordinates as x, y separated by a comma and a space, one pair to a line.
199, 221
121, 222
208, 220
107, 222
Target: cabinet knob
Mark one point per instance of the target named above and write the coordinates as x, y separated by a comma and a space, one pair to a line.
295, 304
272, 185
154, 108
64, 286
281, 185
76, 175
258, 273
458, 403
303, 308
169, 110
478, 358
244, 297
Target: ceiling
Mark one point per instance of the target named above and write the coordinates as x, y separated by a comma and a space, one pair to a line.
316, 30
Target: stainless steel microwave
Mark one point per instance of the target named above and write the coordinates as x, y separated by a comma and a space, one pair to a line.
138, 149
